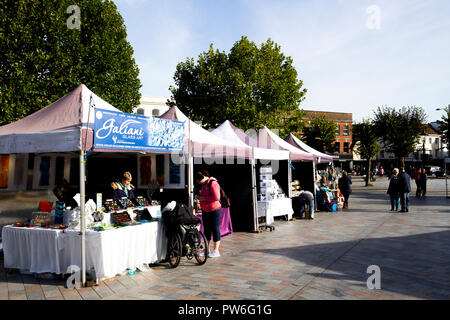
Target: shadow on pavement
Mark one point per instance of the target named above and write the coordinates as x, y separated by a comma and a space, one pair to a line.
414, 265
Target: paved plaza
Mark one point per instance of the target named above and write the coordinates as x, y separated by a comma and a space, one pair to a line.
325, 258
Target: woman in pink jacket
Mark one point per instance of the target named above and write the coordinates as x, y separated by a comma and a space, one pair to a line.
210, 203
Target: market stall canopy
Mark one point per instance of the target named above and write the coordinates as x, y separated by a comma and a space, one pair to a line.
231, 133
268, 139
204, 143
318, 156
60, 127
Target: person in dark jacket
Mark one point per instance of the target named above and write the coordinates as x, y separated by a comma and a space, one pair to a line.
422, 183
394, 190
405, 189
123, 188
416, 175
344, 186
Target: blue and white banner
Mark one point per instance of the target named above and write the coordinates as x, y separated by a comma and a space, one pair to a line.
124, 131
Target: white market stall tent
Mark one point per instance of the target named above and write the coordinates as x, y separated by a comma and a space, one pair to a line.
265, 156
67, 126
319, 157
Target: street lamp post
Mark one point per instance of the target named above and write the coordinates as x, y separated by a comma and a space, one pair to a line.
423, 148
423, 153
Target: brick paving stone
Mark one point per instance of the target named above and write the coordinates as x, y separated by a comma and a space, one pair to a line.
51, 291
126, 281
103, 290
69, 294
3, 289
88, 293
34, 292
190, 297
115, 286
17, 295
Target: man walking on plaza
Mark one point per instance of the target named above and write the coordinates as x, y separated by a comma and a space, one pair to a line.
405, 189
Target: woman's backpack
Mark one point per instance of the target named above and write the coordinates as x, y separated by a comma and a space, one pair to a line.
224, 200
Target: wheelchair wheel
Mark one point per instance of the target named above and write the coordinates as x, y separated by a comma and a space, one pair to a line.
174, 250
200, 246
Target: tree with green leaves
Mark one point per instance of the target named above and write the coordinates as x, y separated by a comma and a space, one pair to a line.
320, 133
49, 47
365, 139
399, 130
444, 126
251, 86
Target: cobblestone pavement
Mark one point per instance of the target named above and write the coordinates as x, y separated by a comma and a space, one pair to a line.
325, 258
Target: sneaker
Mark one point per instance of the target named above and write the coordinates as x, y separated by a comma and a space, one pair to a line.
214, 254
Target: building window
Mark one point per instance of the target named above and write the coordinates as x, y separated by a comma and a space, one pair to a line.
338, 130
140, 111
346, 130
337, 147
155, 112
437, 142
346, 147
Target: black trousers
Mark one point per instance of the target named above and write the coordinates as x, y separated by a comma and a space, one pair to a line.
346, 196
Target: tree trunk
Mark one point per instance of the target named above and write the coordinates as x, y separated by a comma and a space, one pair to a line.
369, 162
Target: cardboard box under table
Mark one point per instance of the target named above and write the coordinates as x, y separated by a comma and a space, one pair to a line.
109, 252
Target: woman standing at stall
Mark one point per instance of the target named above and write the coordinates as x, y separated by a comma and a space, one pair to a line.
211, 208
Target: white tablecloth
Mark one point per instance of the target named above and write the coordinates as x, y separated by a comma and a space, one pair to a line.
34, 250
109, 252
275, 208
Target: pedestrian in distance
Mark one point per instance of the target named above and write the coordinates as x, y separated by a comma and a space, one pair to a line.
344, 184
394, 190
416, 179
405, 189
422, 184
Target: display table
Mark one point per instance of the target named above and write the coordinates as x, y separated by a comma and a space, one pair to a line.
109, 252
275, 208
225, 224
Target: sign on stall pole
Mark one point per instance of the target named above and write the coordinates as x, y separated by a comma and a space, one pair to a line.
124, 131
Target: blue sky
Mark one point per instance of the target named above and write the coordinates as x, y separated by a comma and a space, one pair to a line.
350, 59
